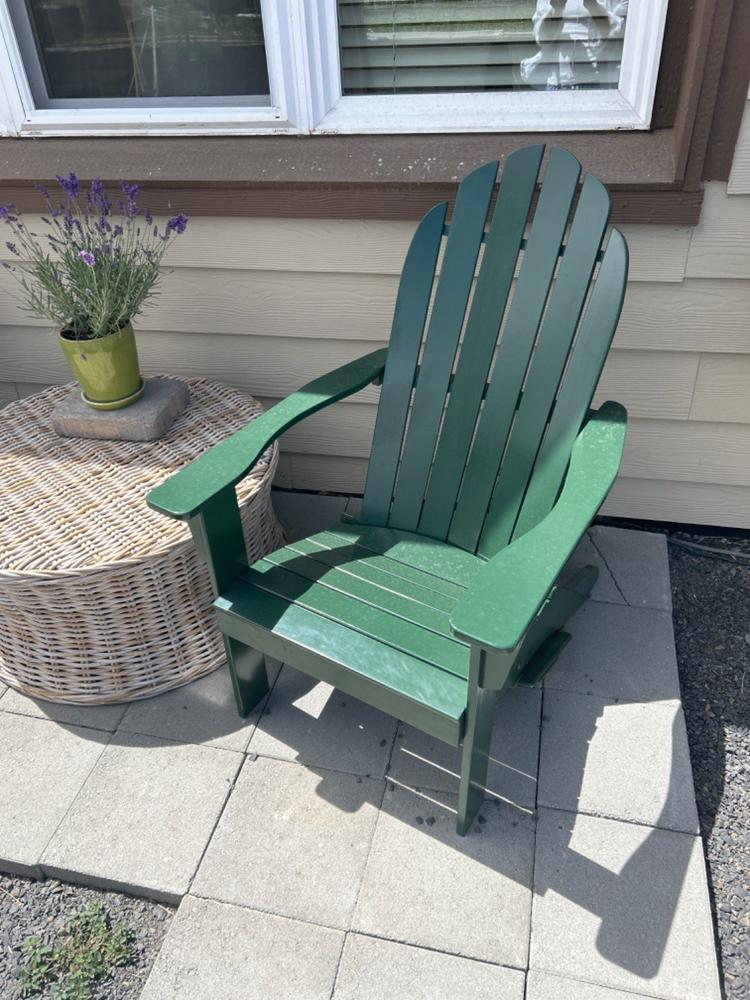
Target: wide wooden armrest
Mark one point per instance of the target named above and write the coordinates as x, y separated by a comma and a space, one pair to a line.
506, 594
184, 494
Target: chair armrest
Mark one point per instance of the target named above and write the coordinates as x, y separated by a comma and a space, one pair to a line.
509, 590
189, 490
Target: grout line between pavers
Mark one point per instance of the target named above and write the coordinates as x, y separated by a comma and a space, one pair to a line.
608, 986
435, 950
59, 722
338, 965
369, 853
265, 755
609, 568
72, 802
618, 819
243, 760
181, 741
536, 827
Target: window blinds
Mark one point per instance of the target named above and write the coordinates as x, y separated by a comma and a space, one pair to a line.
402, 46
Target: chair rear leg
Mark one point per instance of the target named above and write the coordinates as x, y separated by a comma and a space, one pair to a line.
476, 745
247, 667
546, 637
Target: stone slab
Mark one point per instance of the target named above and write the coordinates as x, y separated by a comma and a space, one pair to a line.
213, 951
420, 761
544, 986
426, 886
143, 818
312, 723
624, 906
292, 842
303, 514
618, 652
373, 969
149, 418
42, 769
639, 562
203, 712
605, 588
626, 761
105, 717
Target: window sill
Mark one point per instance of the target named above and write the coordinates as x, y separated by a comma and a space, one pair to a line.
363, 176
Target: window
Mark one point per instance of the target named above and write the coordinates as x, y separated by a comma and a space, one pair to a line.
327, 66
132, 50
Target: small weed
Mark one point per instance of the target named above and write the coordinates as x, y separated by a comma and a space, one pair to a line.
92, 947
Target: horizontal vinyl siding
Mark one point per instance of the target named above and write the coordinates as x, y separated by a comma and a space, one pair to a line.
266, 305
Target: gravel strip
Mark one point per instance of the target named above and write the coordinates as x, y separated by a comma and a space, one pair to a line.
712, 632
42, 908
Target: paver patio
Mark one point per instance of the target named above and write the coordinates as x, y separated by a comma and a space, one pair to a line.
313, 845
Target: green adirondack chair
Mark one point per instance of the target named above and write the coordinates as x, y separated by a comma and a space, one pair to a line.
487, 467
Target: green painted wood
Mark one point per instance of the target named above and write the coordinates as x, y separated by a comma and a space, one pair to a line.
363, 565
445, 564
385, 598
394, 567
218, 537
515, 347
555, 339
185, 493
247, 668
503, 243
410, 314
417, 692
519, 578
475, 751
446, 321
584, 370
388, 629
384, 611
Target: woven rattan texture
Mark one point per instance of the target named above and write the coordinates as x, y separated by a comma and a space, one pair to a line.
102, 599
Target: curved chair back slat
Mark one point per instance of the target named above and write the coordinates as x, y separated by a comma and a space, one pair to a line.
478, 415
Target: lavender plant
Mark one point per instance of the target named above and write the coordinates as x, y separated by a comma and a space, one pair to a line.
92, 270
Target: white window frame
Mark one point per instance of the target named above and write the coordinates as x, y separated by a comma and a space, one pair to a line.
304, 71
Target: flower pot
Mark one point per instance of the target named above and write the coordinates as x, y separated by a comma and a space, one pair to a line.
106, 368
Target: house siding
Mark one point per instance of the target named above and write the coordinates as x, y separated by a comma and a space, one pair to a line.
266, 304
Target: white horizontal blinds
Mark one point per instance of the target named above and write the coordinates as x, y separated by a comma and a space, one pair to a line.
401, 46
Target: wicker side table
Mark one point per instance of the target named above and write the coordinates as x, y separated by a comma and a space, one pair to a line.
102, 600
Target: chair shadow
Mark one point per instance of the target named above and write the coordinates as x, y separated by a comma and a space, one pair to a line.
635, 922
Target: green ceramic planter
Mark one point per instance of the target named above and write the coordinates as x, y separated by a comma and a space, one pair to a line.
106, 368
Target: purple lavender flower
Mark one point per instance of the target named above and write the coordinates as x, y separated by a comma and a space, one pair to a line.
178, 223
69, 185
12, 247
6, 212
117, 231
149, 217
130, 209
88, 258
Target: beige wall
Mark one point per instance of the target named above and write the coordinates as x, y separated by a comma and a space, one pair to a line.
267, 304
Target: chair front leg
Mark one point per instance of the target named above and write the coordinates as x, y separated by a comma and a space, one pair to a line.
475, 752
217, 533
247, 667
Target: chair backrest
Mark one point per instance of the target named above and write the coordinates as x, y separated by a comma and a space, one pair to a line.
489, 379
